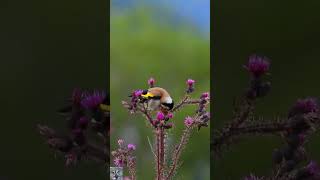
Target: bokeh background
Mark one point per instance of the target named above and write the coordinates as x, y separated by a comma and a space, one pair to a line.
287, 33
169, 42
47, 49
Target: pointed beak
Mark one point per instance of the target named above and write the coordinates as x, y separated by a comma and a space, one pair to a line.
147, 95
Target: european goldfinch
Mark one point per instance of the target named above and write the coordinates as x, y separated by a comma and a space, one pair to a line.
157, 99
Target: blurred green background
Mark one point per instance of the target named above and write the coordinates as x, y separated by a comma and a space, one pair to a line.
47, 49
146, 42
286, 32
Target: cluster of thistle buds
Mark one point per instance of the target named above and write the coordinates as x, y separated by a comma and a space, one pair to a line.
162, 121
87, 112
303, 120
123, 157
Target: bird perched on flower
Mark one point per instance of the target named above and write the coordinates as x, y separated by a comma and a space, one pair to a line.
157, 99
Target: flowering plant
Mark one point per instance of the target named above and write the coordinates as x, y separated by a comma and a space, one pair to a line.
87, 114
160, 122
290, 160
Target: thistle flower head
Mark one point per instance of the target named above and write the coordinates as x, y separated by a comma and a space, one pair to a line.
137, 93
190, 83
151, 82
304, 106
131, 147
308, 105
205, 95
160, 116
188, 121
257, 65
93, 100
118, 162
169, 115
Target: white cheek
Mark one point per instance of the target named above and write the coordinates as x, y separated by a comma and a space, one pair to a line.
168, 100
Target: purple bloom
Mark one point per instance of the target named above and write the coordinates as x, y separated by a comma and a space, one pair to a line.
92, 101
190, 83
160, 116
137, 93
307, 105
257, 65
205, 95
131, 147
304, 106
118, 162
170, 115
188, 121
313, 169
151, 82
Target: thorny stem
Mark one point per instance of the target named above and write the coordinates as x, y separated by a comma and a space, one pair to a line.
161, 149
177, 152
160, 152
265, 128
144, 111
132, 171
158, 155
178, 106
262, 128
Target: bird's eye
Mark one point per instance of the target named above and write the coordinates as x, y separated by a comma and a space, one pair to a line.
144, 92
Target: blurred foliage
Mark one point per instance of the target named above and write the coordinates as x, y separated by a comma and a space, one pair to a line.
290, 39
147, 42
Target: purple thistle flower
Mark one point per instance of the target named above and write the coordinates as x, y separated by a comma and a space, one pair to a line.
170, 116
313, 169
92, 101
307, 105
190, 83
131, 147
160, 116
137, 93
257, 65
151, 82
205, 95
118, 162
188, 121
304, 106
